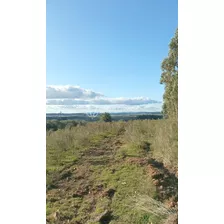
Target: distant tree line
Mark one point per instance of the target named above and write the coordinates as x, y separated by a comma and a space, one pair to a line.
55, 125
149, 116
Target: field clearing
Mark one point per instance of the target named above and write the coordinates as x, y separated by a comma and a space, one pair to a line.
99, 172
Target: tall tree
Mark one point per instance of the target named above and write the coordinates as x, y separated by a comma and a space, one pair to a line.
169, 78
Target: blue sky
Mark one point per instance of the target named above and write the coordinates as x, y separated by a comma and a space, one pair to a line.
112, 47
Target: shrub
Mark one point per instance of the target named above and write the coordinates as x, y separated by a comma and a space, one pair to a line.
106, 117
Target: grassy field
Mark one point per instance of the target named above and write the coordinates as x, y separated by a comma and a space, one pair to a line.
115, 172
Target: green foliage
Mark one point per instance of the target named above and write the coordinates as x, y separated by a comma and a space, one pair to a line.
106, 117
128, 180
165, 143
169, 78
148, 116
55, 125
51, 126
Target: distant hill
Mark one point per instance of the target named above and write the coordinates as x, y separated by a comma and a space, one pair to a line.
115, 116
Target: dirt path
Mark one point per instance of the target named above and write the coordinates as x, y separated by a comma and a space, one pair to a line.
166, 183
75, 183
78, 192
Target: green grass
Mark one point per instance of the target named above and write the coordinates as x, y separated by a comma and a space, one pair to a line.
101, 154
128, 181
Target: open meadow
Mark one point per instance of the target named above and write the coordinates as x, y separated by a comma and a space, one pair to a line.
113, 172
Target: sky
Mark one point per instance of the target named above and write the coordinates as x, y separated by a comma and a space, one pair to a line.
106, 54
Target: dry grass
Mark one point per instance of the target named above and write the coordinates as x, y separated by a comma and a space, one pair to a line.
139, 131
162, 135
172, 219
152, 206
165, 143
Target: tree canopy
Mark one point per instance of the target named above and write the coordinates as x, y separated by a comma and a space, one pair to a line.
106, 117
169, 78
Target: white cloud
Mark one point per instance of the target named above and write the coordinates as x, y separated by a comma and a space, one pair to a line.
61, 92
101, 101
103, 108
73, 99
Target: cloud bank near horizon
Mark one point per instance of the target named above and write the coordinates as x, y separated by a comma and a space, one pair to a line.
73, 99
70, 92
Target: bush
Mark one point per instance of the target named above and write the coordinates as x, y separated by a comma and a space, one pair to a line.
106, 117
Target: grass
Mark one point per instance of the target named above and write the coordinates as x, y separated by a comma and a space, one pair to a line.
161, 136
127, 181
86, 162
165, 143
